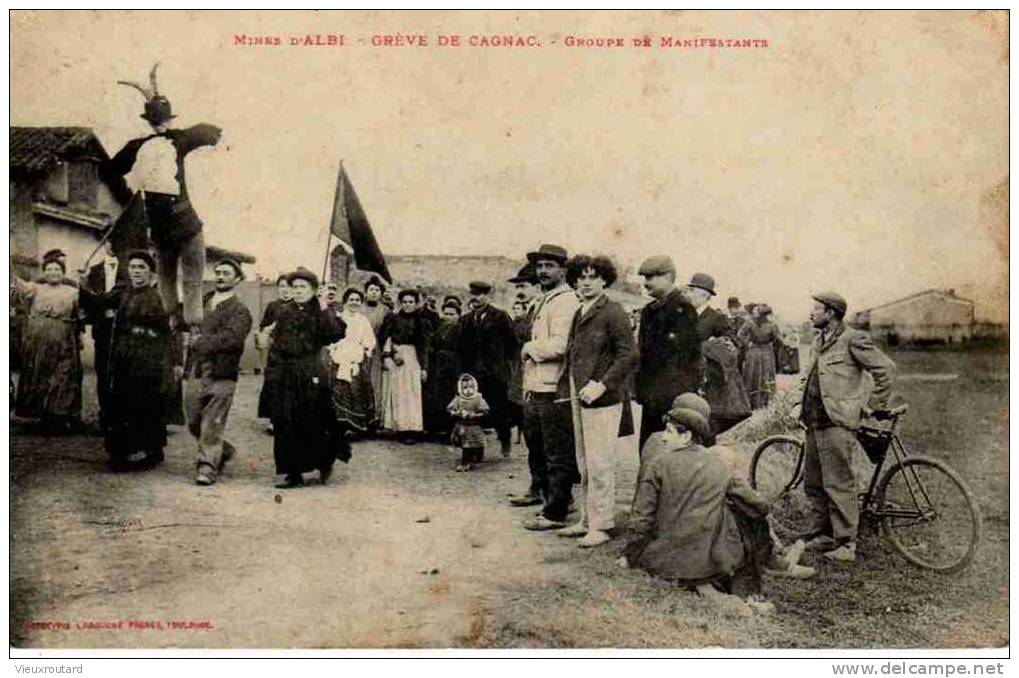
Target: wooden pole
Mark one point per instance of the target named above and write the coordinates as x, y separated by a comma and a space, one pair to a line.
325, 264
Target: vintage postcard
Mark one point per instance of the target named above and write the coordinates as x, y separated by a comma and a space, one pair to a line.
509, 329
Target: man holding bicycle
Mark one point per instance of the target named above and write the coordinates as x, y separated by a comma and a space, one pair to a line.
833, 397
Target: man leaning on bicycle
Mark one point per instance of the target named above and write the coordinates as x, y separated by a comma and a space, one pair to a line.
831, 401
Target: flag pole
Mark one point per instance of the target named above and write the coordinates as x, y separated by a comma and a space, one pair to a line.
329, 229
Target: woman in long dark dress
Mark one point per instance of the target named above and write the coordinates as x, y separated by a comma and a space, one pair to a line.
50, 385
758, 336
307, 435
140, 349
445, 362
265, 328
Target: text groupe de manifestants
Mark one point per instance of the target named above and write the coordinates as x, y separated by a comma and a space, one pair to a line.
420, 40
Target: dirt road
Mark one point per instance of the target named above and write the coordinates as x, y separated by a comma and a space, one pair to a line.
356, 564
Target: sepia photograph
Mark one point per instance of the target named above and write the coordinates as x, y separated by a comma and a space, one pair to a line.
512, 330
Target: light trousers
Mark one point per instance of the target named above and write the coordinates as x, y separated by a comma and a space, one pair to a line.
596, 460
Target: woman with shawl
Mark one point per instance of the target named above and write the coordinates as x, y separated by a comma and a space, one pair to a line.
352, 396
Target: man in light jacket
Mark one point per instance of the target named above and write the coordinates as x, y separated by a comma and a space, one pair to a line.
548, 424
832, 398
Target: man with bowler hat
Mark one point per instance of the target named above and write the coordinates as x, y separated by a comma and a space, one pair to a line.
487, 346
832, 399
668, 344
548, 422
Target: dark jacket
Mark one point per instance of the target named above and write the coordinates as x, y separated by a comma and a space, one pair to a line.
488, 343
712, 323
172, 219
224, 331
670, 350
600, 349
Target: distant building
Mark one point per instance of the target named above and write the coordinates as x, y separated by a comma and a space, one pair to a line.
931, 316
60, 200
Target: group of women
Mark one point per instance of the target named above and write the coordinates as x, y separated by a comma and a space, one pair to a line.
140, 365
377, 369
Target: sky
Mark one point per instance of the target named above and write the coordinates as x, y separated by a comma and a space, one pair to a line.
859, 152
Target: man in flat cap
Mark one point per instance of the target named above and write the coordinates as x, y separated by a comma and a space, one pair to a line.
525, 285
213, 373
548, 424
487, 347
831, 401
668, 343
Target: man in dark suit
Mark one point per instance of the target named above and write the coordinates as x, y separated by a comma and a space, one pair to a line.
488, 345
723, 386
669, 346
101, 278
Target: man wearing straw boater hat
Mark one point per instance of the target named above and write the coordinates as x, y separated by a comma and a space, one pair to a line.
154, 165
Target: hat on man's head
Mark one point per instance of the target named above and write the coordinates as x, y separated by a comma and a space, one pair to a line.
547, 251
450, 301
54, 254
704, 282
694, 413
143, 255
658, 264
832, 300
232, 263
525, 275
733, 302
479, 287
303, 274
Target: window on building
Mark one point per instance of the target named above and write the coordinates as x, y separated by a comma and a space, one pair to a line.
82, 182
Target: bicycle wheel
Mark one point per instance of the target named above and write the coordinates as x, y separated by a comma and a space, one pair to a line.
776, 472
928, 514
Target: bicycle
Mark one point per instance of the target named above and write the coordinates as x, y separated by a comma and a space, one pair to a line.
922, 506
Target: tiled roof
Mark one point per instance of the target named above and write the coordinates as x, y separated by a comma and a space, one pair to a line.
36, 149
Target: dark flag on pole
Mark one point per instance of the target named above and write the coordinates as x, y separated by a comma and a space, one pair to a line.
131, 231
350, 226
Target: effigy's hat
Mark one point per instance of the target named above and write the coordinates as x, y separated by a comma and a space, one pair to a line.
157, 106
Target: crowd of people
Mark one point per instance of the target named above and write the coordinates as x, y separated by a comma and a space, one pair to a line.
565, 369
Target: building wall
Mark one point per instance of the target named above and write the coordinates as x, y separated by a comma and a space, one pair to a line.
931, 317
441, 274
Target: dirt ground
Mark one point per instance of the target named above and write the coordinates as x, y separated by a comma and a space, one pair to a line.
399, 551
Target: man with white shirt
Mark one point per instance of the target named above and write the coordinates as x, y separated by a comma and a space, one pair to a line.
213, 370
154, 164
548, 421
